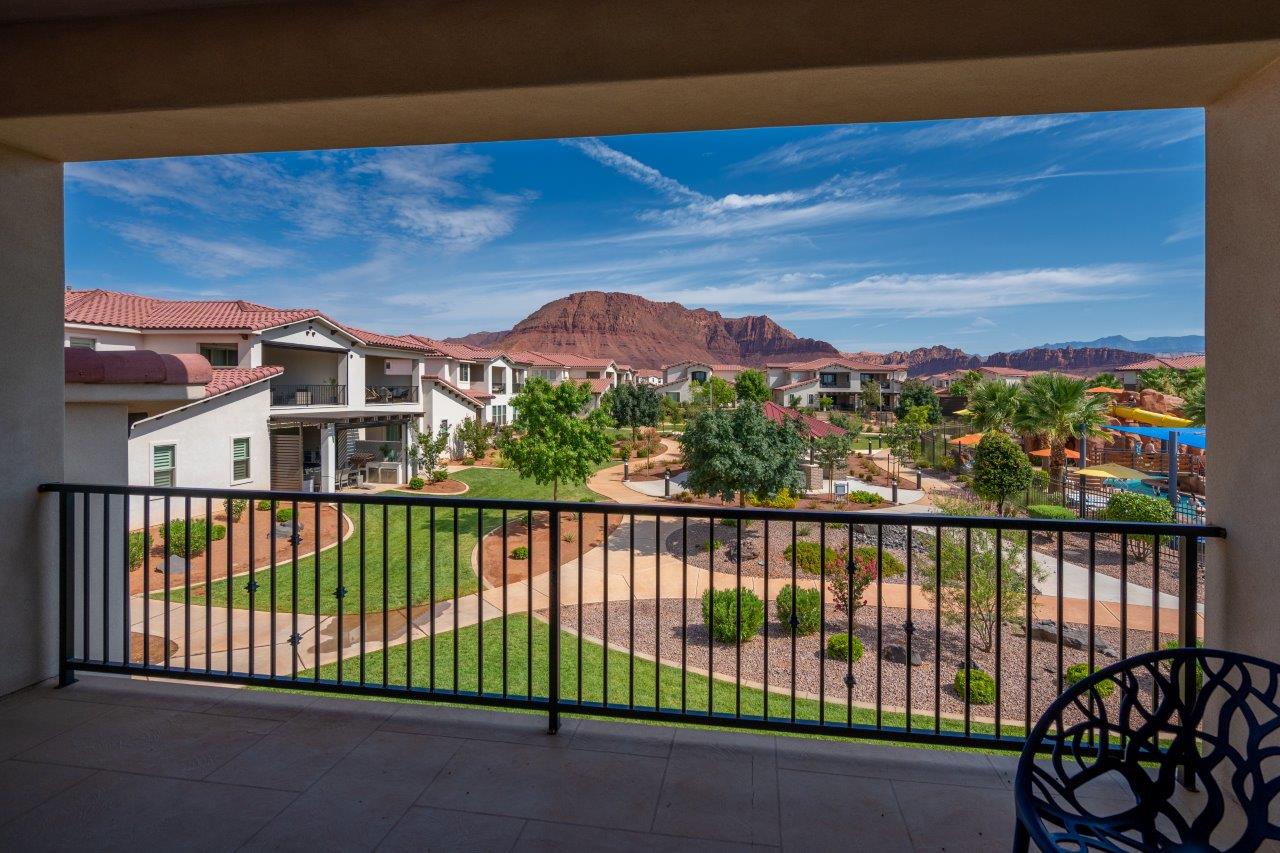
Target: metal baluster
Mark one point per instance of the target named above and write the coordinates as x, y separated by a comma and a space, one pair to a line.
604, 684
386, 603
794, 581
879, 626
360, 612
711, 612
822, 623
581, 698
66, 588
85, 575
340, 593
251, 585
1155, 598
999, 672
167, 551
937, 630
1124, 595
848, 618
1031, 592
186, 581
1188, 596
126, 624
909, 627
431, 596
457, 627
684, 613
528, 578
553, 630
272, 535
1093, 597
208, 582
295, 639
106, 578
657, 612
528, 586
737, 646
408, 596
968, 621
1060, 617
631, 617
765, 712
480, 599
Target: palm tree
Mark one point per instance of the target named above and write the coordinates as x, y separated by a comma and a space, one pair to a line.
1193, 408
993, 405
1056, 408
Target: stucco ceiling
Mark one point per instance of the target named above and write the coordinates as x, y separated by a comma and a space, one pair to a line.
12, 11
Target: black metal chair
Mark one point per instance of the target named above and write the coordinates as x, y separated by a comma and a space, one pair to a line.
1192, 736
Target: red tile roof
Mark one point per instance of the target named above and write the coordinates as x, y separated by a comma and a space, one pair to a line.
848, 364
377, 339
1182, 362
816, 427
230, 378
599, 386
475, 399
715, 368
458, 351
801, 383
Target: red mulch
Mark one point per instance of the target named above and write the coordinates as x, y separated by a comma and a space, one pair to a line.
517, 536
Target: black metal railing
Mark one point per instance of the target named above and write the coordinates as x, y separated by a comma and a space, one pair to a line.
308, 395
962, 630
385, 394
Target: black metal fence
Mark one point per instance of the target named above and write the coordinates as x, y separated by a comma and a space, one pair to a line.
308, 395
883, 625
384, 394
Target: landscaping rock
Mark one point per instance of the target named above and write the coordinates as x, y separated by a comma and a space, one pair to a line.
1072, 637
750, 551
898, 654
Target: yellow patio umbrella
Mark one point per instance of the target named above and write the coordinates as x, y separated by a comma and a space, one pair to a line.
967, 440
1112, 471
964, 413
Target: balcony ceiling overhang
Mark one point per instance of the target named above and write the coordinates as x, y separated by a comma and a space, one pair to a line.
224, 77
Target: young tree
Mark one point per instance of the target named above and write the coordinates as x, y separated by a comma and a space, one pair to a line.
741, 452
715, 393
964, 386
993, 405
475, 437
426, 450
752, 386
1193, 407
830, 451
793, 401
825, 402
671, 411
916, 393
871, 397
1057, 408
633, 406
554, 441
1000, 469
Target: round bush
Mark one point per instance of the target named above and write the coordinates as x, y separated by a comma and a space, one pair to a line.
284, 515
808, 610
1080, 671
808, 556
439, 475
890, 566
839, 647
861, 496
720, 613
417, 483
199, 530
264, 505
982, 687
1050, 511
520, 552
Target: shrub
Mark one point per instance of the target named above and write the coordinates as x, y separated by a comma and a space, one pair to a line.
808, 556
1040, 479
264, 506
284, 515
236, 508
890, 566
137, 548
862, 496
520, 552
982, 687
1050, 511
439, 475
804, 529
1174, 644
1080, 671
851, 577
808, 610
199, 528
567, 537
714, 545
417, 483
720, 613
839, 647
727, 522
1132, 506
468, 460
782, 500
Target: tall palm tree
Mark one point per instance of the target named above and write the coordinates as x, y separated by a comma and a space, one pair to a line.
993, 405
1056, 408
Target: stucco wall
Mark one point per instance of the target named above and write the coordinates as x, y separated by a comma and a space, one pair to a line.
308, 367
443, 407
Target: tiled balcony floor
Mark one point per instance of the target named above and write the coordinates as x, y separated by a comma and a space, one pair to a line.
111, 763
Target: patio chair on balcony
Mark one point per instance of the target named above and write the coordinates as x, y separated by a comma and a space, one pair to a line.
1170, 750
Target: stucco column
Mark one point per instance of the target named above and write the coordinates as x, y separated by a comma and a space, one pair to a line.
1242, 327
328, 458
31, 401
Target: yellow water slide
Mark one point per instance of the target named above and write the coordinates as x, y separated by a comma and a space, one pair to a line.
1142, 416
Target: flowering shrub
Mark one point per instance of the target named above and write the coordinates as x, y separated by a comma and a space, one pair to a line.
850, 579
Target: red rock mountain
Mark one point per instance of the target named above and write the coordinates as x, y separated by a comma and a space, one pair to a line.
940, 359
642, 333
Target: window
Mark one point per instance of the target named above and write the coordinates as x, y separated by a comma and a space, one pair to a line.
827, 380
164, 464
499, 415
698, 376
220, 355
464, 373
239, 459
593, 374
83, 343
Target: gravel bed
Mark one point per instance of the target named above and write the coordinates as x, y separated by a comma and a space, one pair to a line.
1075, 549
927, 682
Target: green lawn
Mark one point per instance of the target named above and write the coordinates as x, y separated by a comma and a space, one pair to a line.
484, 482
517, 626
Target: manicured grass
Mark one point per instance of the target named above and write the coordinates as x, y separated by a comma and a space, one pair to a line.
484, 482
621, 687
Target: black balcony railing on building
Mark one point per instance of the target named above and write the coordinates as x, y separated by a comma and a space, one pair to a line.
386, 394
308, 395
882, 625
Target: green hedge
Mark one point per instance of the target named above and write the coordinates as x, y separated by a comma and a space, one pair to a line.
982, 687
808, 609
839, 647
1050, 511
720, 613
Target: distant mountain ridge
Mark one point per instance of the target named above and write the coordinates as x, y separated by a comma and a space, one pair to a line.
1162, 345
925, 361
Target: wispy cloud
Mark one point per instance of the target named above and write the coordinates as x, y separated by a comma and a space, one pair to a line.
1188, 227
205, 257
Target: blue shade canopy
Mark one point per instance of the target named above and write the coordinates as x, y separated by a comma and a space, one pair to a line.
1188, 436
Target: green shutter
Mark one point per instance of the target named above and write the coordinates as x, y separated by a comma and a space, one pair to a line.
162, 464
240, 459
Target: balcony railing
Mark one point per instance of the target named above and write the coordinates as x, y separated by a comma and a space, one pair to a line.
768, 603
499, 388
308, 395
387, 394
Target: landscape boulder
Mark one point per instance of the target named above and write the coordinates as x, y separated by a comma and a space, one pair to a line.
1073, 637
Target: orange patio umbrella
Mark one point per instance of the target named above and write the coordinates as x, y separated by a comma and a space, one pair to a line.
1044, 451
967, 440
1103, 389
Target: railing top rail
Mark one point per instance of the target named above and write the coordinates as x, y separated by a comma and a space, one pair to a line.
871, 517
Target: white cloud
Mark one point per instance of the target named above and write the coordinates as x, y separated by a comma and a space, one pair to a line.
205, 257
1189, 227
632, 168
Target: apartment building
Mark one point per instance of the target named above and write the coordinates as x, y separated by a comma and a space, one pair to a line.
1128, 374
680, 380
843, 380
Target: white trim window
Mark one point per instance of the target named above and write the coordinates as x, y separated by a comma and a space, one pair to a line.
464, 373
164, 464
241, 467
82, 343
220, 355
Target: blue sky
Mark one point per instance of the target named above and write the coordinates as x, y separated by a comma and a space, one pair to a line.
987, 234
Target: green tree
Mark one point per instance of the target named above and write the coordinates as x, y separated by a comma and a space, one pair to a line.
475, 436
1186, 381
715, 393
793, 401
633, 406
426, 449
741, 452
871, 397
993, 405
554, 441
825, 402
1000, 469
752, 386
1158, 379
1133, 506
830, 451
963, 387
1057, 408
1193, 408
671, 411
1105, 380
916, 393
903, 438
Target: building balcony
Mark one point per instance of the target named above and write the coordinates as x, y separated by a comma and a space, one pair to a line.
498, 388
382, 395
308, 395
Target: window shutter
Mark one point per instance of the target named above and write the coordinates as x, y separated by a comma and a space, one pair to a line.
239, 459
162, 464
